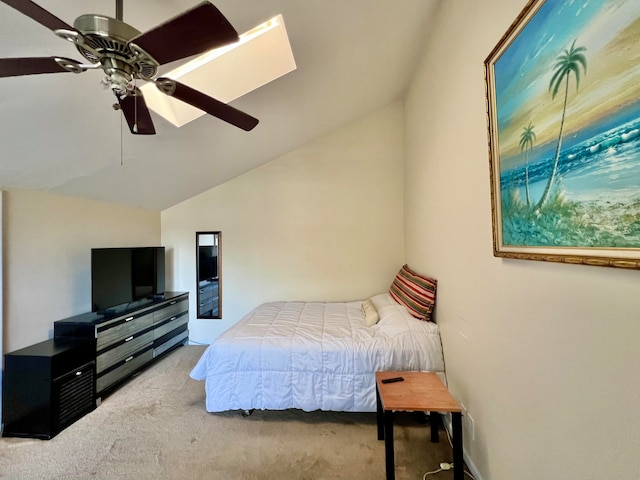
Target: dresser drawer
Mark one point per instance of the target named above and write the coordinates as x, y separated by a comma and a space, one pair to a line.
170, 325
128, 366
205, 308
73, 395
181, 337
122, 329
129, 345
206, 293
174, 308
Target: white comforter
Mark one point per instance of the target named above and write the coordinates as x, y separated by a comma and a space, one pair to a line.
314, 356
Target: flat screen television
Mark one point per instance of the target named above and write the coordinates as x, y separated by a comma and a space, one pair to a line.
207, 263
120, 276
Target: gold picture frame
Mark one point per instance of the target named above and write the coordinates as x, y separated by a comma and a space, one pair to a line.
563, 111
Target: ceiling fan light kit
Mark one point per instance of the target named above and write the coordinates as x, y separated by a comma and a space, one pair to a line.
126, 55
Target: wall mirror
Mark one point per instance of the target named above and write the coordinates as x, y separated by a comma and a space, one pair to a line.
208, 274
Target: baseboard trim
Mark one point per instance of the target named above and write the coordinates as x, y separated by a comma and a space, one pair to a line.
446, 420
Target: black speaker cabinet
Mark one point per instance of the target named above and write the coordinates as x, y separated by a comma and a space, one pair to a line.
47, 386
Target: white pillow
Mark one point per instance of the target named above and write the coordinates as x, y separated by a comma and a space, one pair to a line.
370, 313
382, 300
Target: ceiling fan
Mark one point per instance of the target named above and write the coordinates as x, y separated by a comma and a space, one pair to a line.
127, 55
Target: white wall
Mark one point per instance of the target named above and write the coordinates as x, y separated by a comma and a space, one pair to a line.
324, 222
47, 244
544, 356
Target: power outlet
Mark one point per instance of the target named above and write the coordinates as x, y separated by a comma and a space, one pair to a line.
471, 426
468, 422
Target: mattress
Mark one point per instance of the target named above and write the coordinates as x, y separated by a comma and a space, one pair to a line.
314, 356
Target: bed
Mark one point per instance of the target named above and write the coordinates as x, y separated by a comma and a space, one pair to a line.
315, 355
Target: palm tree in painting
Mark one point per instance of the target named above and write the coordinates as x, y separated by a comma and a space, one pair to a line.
568, 62
526, 144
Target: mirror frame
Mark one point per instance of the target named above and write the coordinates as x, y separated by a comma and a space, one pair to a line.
211, 287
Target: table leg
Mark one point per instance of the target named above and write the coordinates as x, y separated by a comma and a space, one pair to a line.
379, 415
458, 460
434, 421
388, 445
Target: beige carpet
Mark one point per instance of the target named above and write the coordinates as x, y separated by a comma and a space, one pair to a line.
155, 427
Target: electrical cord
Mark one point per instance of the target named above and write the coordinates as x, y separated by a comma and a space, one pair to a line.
446, 466
424, 477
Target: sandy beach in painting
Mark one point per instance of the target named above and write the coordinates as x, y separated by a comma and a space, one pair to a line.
593, 221
608, 223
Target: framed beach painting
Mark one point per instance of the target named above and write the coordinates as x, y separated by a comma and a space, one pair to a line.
563, 109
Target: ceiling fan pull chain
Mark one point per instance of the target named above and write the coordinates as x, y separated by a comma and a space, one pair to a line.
121, 150
135, 107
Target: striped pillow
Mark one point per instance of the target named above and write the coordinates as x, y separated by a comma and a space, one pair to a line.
414, 291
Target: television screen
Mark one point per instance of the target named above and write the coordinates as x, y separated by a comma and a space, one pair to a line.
120, 276
207, 263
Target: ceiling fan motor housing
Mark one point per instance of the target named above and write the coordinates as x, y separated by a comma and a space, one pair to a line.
105, 40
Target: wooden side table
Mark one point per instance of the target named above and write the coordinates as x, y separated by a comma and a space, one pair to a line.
419, 392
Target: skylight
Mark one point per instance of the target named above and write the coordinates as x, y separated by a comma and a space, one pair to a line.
262, 55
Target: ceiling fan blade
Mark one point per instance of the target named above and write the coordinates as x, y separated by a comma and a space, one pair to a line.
194, 31
206, 103
135, 111
39, 14
13, 67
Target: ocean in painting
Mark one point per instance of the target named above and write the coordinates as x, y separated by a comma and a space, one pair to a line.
596, 196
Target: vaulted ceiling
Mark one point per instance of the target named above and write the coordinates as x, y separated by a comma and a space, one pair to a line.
59, 132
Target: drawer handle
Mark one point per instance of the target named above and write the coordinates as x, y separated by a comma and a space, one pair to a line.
128, 359
202, 290
173, 318
173, 303
128, 339
78, 373
128, 319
